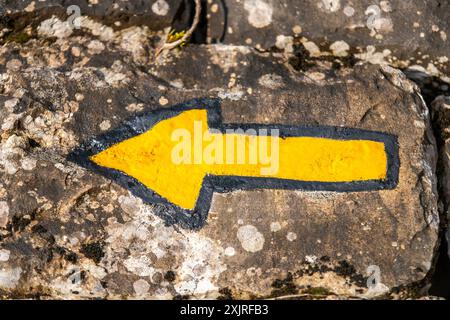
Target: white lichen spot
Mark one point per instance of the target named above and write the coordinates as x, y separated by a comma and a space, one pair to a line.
349, 11
14, 65
10, 121
4, 255
10, 151
312, 48
105, 125
79, 97
285, 43
54, 27
104, 33
108, 208
11, 103
340, 48
28, 164
271, 81
135, 107
140, 265
177, 83
113, 77
291, 236
386, 6
297, 29
374, 57
226, 56
311, 259
201, 266
275, 226
31, 7
9, 277
134, 40
315, 75
443, 36
259, 13
95, 47
4, 214
235, 94
433, 70
250, 238
76, 51
163, 101
376, 22
129, 204
160, 7
214, 8
141, 287
330, 5
229, 251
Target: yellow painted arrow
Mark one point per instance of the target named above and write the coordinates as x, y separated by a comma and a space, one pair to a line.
160, 161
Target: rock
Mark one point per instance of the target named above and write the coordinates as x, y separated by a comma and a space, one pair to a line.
403, 33
67, 232
441, 117
156, 14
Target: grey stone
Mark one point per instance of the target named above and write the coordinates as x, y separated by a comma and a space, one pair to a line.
67, 232
441, 118
403, 33
156, 14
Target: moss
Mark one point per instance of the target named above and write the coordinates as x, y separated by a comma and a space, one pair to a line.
317, 291
20, 37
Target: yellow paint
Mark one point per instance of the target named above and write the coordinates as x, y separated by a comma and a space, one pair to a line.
147, 157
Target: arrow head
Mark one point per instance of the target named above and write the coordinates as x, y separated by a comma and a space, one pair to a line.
180, 182
153, 159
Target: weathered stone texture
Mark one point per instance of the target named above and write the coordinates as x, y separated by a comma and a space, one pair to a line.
441, 117
156, 14
404, 33
67, 232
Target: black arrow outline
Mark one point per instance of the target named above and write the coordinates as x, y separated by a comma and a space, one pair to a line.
195, 219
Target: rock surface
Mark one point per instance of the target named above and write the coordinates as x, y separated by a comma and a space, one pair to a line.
68, 233
156, 14
441, 117
404, 33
